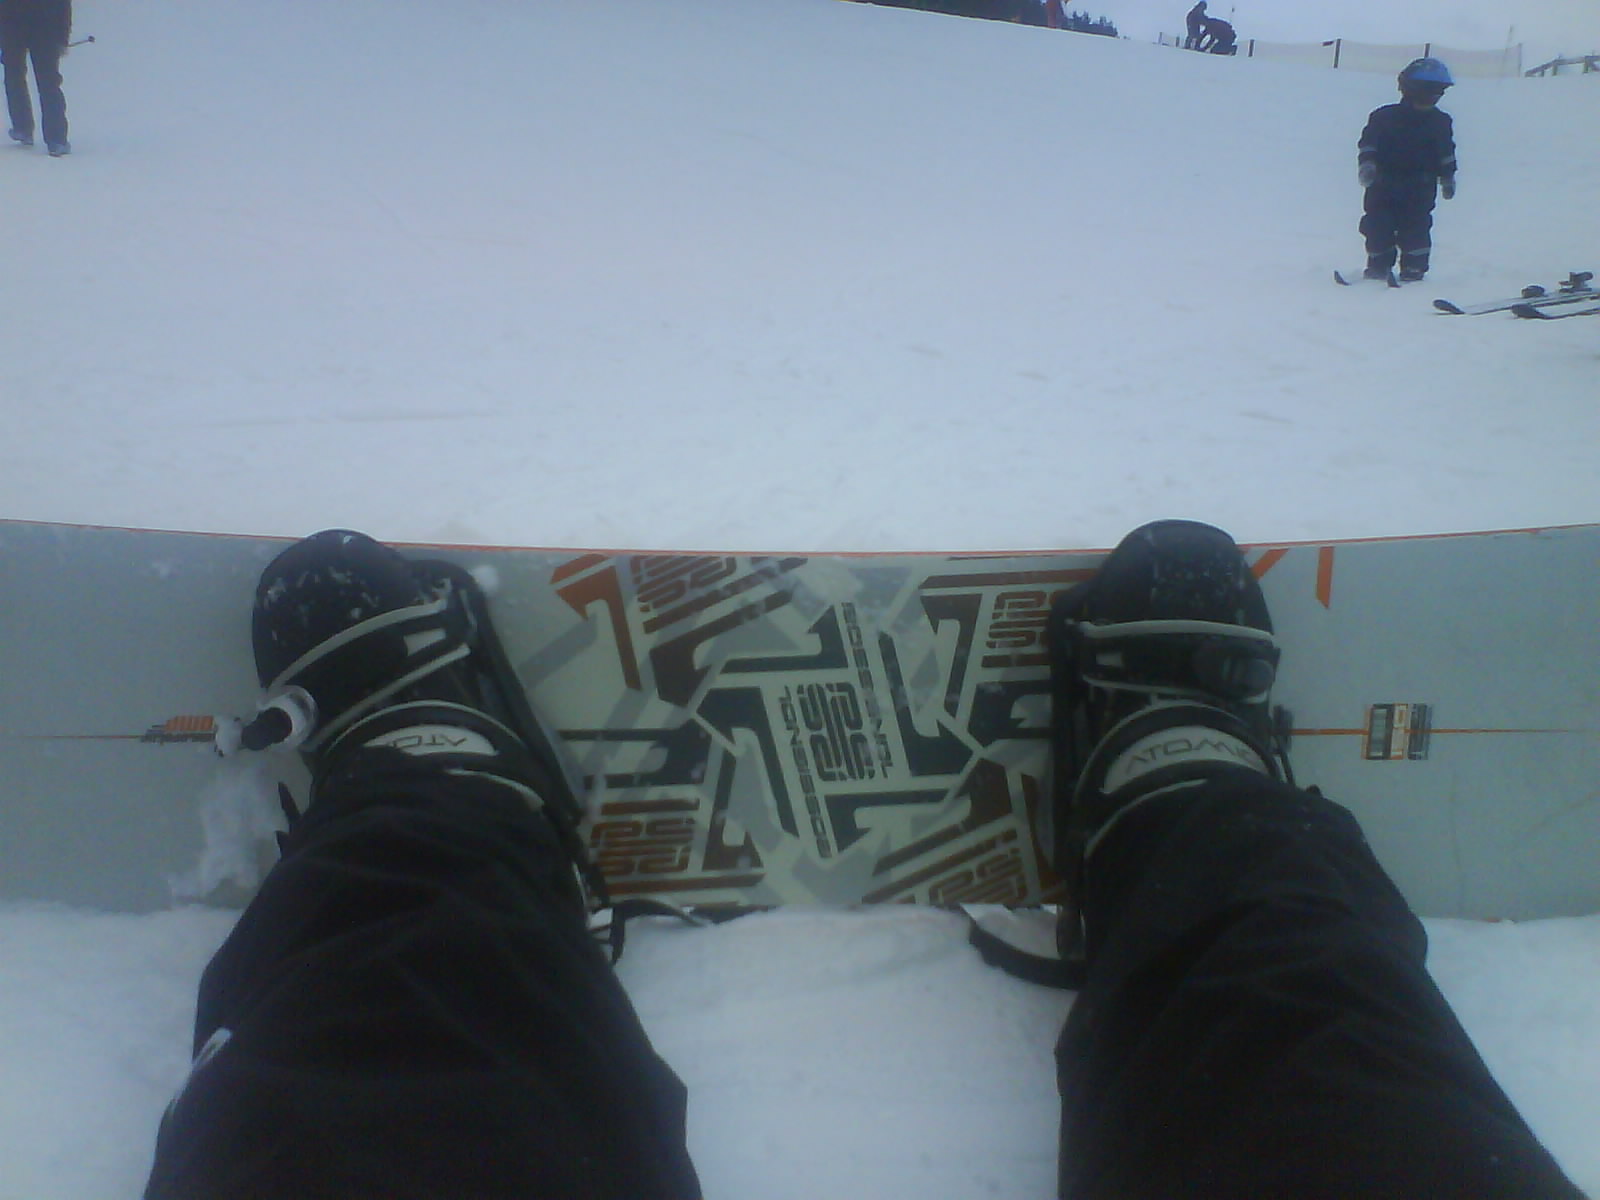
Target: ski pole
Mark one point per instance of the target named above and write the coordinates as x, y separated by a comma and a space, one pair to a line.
80, 41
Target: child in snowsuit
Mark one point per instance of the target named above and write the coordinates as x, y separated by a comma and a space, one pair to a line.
1407, 155
40, 30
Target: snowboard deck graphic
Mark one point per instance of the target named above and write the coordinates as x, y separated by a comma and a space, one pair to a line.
777, 729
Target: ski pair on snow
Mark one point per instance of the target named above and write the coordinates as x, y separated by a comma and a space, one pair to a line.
1575, 287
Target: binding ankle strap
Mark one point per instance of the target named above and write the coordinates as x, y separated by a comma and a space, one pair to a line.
355, 671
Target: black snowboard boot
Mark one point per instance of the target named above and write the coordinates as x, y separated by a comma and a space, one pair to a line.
365, 655
1162, 667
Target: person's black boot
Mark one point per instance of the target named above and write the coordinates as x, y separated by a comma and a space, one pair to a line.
364, 655
1162, 666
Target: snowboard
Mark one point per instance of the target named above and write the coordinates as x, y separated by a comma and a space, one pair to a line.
764, 729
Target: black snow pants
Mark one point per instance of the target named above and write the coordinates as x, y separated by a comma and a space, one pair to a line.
33, 33
1258, 1023
1397, 217
412, 1007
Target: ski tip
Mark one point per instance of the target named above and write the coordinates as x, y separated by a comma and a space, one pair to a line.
1445, 306
1352, 279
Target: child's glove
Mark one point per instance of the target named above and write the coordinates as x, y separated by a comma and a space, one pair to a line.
1367, 173
1447, 187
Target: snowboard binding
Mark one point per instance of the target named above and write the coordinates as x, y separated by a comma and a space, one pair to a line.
1162, 668
361, 650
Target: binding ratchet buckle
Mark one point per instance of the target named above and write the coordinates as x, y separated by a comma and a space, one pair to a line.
339, 680
1237, 663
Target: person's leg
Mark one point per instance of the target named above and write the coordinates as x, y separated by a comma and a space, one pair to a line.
14, 61
412, 1005
52, 101
1378, 230
1257, 1020
1414, 230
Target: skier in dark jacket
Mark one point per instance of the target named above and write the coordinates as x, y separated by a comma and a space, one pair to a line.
40, 30
1407, 156
1195, 21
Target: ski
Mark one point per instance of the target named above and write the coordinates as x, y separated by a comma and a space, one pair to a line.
1575, 287
1534, 311
1390, 279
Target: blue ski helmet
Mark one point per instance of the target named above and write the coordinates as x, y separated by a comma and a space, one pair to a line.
1425, 75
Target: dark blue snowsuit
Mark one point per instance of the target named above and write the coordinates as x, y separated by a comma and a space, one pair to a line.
1413, 149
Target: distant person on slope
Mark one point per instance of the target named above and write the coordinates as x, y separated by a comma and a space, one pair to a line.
1256, 1021
1196, 22
1218, 37
1406, 156
40, 30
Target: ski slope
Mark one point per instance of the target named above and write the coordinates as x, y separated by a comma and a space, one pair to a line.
791, 274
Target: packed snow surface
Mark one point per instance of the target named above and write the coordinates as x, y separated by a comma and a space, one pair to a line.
862, 1054
796, 274
789, 274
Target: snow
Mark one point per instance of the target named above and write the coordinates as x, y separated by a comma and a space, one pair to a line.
1546, 28
797, 274
864, 1054
792, 275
